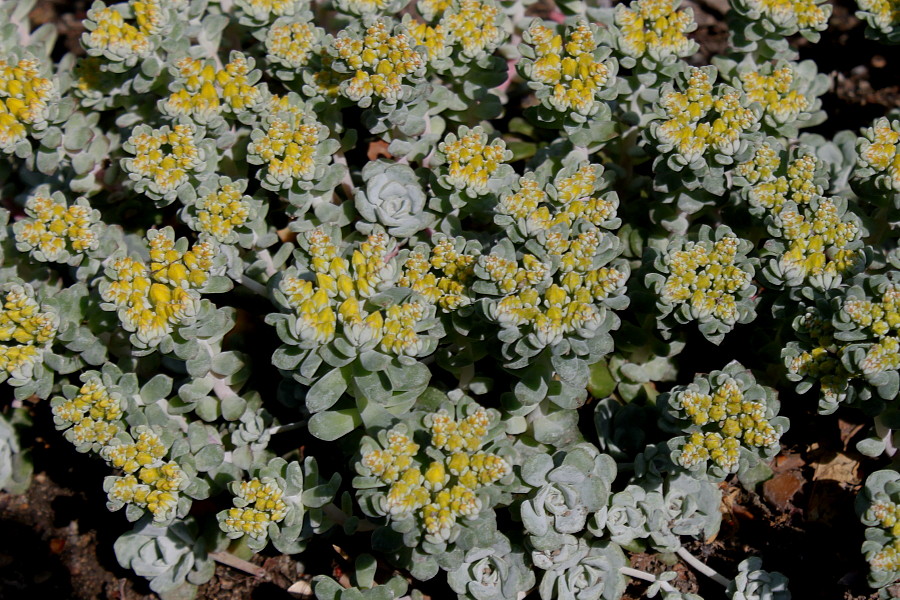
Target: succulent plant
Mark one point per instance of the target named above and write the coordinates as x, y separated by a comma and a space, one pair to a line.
274, 505
568, 487
729, 422
394, 199
170, 557
708, 281
753, 583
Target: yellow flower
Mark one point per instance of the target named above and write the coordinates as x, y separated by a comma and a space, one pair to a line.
25, 100
115, 39
879, 150
267, 10
293, 43
793, 15
471, 160
445, 489
476, 25
569, 69
287, 144
701, 118
885, 14
774, 93
163, 159
657, 28
728, 418
381, 63
223, 211
55, 229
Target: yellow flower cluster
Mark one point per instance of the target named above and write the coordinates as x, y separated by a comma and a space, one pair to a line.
880, 150
735, 419
363, 7
54, 229
569, 67
771, 190
657, 28
822, 365
441, 275
115, 39
881, 319
149, 481
25, 332
381, 63
435, 40
25, 100
476, 25
338, 295
287, 143
94, 412
147, 450
221, 212
471, 160
700, 448
793, 14
431, 9
151, 300
706, 277
152, 16
885, 513
258, 502
441, 491
203, 92
292, 43
154, 488
818, 242
189, 269
700, 119
569, 304
885, 13
886, 559
576, 193
821, 361
267, 10
163, 158
774, 93
509, 276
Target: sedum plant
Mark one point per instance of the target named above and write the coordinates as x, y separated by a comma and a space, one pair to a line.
708, 281
422, 246
273, 505
729, 422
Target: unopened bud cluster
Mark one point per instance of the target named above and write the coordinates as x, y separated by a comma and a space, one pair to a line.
436, 492
55, 231
152, 299
26, 332
726, 413
703, 121
26, 98
333, 303
708, 281
655, 29
257, 503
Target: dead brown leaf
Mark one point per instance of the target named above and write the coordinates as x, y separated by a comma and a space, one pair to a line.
837, 467
848, 431
782, 488
286, 235
378, 148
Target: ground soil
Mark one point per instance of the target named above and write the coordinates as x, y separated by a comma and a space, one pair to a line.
58, 536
